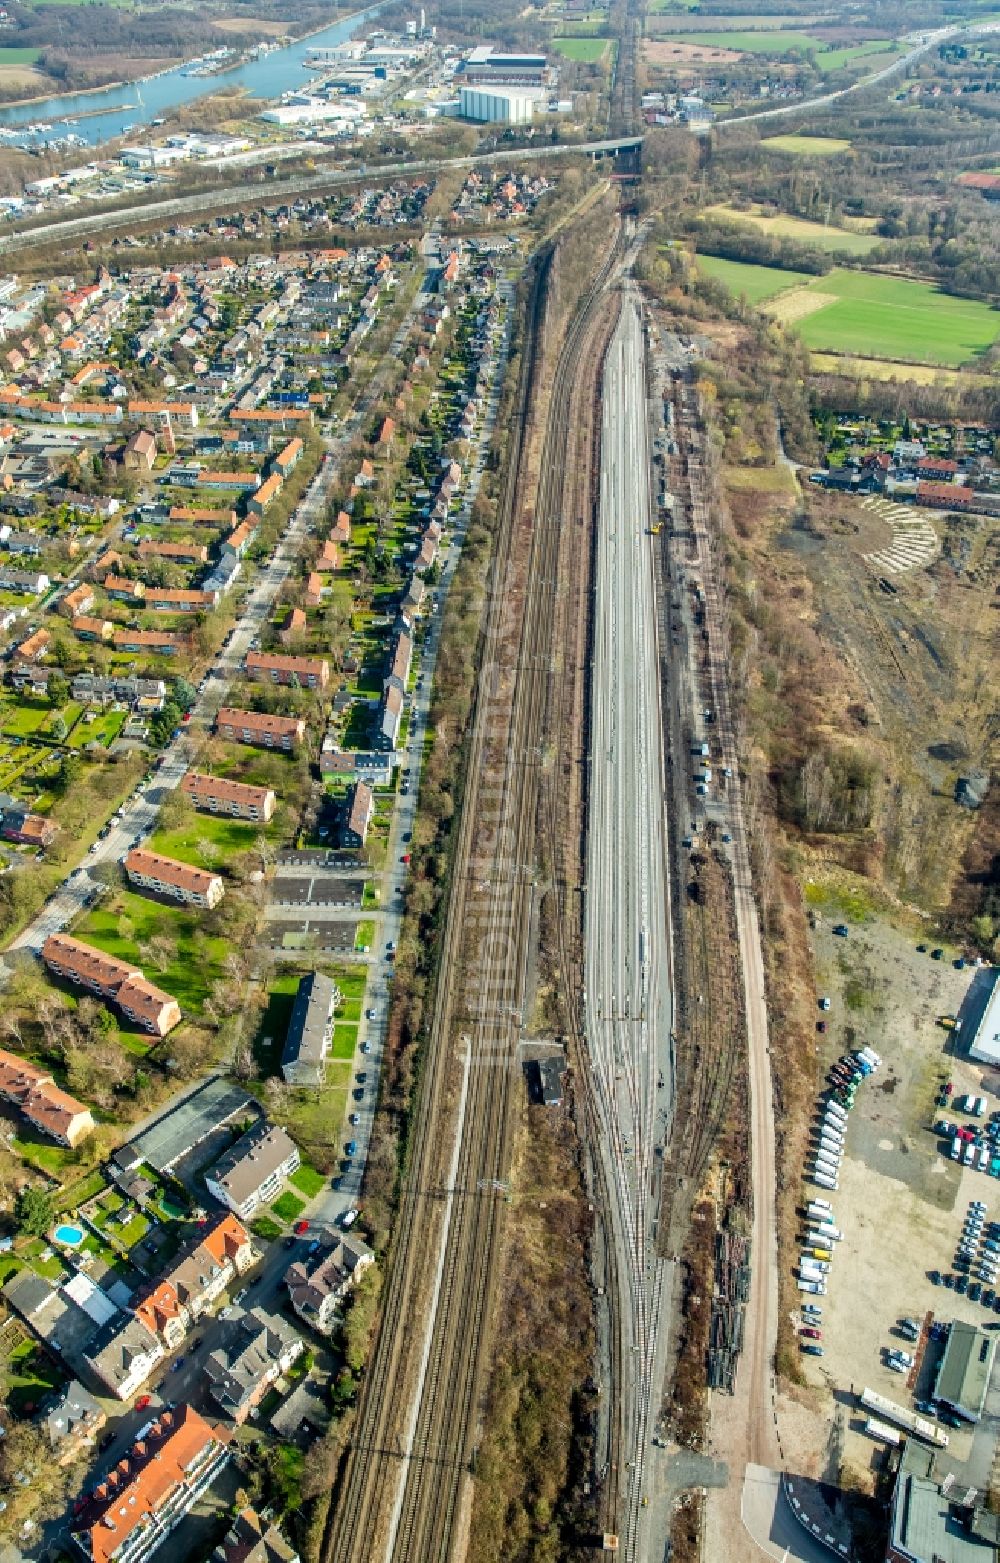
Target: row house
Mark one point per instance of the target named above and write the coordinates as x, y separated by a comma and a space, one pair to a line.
389, 719
131, 1511
79, 600
120, 589
239, 539
165, 413
86, 628
259, 729
167, 876
402, 659
248, 481
266, 494
359, 815
112, 979
287, 419
218, 795
177, 599
201, 1271
183, 553
37, 1097
308, 672
289, 457
147, 694
256, 1352
122, 1354
33, 647
26, 582
159, 643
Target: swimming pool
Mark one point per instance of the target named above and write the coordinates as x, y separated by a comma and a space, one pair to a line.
70, 1237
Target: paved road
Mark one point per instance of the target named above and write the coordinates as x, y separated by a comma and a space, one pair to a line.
275, 190
926, 42
332, 1203
628, 996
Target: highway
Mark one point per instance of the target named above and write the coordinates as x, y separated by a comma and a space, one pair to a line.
628, 1000
927, 41
274, 191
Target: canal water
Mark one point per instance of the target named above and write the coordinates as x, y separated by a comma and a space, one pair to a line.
109, 110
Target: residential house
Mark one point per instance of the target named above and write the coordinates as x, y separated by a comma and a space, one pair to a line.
161, 1312
310, 1030
251, 1539
329, 556
341, 533
136, 1505
937, 468
399, 667
259, 729
79, 601
239, 539
254, 1170
307, 672
197, 1277
217, 795
288, 459
110, 978
169, 877
318, 1283
31, 830
313, 594
359, 815
34, 1092
387, 432
33, 647
123, 1353
73, 1423
199, 516
294, 626
140, 452
260, 1348
945, 496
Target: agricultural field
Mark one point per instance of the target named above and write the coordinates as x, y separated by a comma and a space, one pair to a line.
878, 369
819, 235
19, 56
887, 317
775, 41
806, 146
586, 50
754, 283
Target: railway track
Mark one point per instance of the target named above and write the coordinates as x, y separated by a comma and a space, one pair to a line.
404, 1479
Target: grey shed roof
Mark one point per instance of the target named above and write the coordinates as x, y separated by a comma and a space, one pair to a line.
964, 1375
926, 1526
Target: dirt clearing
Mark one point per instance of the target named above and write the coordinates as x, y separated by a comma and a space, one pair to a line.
660, 52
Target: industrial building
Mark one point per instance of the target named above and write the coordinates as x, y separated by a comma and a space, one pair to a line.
982, 1025
487, 68
926, 1524
491, 106
964, 1374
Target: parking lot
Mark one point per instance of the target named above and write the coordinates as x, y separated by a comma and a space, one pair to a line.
901, 1199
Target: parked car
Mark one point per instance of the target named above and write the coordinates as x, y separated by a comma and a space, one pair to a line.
300, 1228
841, 930
811, 1334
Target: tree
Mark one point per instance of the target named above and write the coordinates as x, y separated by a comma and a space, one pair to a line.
58, 728
67, 774
34, 1211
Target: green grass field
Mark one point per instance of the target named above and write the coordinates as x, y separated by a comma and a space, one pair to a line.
876, 53
199, 958
772, 41
587, 50
227, 836
753, 282
889, 317
807, 146
817, 235
19, 56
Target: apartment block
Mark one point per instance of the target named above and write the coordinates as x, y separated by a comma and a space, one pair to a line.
260, 729
167, 876
267, 667
215, 795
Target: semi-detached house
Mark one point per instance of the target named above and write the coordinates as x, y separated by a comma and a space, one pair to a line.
36, 1095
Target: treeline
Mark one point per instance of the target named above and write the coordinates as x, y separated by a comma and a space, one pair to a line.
948, 400
741, 242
